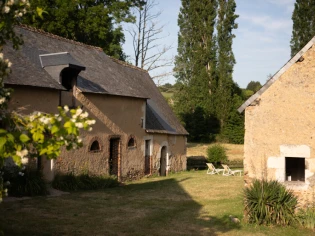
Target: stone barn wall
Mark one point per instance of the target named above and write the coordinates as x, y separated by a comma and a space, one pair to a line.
280, 125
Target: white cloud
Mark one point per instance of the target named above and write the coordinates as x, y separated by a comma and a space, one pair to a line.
268, 23
288, 4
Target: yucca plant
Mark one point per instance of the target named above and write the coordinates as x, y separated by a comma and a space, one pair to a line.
269, 202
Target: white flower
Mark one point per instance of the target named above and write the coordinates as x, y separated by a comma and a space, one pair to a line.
90, 122
22, 153
32, 117
78, 112
1, 56
74, 146
24, 161
61, 138
2, 100
73, 120
6, 9
79, 125
44, 120
39, 113
79, 140
59, 118
21, 173
23, 168
66, 108
7, 94
90, 129
84, 115
10, 2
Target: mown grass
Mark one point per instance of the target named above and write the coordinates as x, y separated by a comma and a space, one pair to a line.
187, 203
234, 151
167, 94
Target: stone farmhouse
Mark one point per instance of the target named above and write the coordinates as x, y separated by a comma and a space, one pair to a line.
280, 126
136, 132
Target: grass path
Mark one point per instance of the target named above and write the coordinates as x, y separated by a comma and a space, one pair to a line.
187, 203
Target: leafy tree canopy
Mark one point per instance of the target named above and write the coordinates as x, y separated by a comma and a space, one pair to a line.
253, 86
303, 24
94, 22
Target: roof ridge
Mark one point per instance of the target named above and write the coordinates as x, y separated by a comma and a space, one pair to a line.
127, 64
54, 36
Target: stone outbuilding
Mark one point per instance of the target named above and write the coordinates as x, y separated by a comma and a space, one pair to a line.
136, 133
280, 127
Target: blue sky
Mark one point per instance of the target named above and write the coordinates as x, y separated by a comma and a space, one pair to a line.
262, 43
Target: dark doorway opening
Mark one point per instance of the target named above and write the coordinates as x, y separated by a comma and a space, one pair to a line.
295, 169
163, 162
147, 157
114, 156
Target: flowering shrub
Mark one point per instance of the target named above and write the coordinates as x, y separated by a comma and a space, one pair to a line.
38, 134
43, 134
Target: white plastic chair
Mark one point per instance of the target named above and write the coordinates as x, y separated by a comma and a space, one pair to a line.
227, 171
212, 170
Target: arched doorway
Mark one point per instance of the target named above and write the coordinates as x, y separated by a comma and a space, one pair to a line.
163, 161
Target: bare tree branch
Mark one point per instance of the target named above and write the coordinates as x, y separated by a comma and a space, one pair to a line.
147, 35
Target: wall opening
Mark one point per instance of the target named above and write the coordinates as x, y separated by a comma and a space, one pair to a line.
163, 161
95, 146
131, 142
114, 156
295, 169
68, 78
147, 158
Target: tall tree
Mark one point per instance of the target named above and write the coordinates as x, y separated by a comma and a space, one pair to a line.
226, 60
303, 24
196, 60
147, 36
94, 22
204, 66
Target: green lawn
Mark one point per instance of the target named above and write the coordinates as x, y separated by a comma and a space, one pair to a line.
187, 203
167, 94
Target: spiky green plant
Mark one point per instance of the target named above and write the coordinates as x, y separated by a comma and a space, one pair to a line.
270, 203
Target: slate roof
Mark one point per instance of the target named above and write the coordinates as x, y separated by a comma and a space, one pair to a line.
102, 74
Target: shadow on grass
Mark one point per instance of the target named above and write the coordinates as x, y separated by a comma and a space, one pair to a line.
158, 207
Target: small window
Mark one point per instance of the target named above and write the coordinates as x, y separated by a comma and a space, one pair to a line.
295, 169
95, 146
131, 142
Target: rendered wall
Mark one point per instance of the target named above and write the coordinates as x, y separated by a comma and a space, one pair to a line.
116, 117
282, 124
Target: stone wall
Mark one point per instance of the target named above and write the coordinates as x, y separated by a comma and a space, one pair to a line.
281, 123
